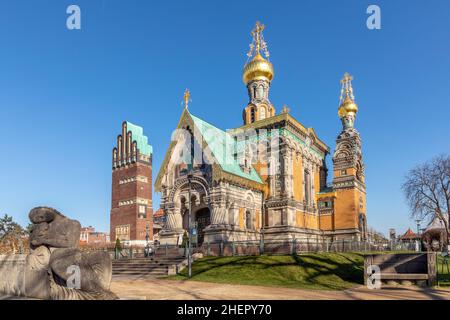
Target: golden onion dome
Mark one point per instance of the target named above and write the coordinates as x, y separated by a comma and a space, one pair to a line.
258, 69
347, 107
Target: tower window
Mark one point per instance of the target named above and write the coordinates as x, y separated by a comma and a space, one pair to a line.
343, 172
259, 92
252, 115
263, 113
325, 204
142, 212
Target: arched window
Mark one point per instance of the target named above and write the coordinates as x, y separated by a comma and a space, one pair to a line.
262, 113
359, 172
259, 92
307, 187
248, 220
362, 226
252, 114
186, 219
322, 179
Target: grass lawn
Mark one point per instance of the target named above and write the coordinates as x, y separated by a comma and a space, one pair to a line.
327, 271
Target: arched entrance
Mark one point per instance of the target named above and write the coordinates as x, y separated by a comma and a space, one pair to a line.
203, 219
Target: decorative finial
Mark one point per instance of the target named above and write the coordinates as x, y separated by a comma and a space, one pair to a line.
258, 42
347, 106
285, 109
346, 88
187, 98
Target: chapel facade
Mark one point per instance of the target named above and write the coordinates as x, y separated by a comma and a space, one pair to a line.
267, 178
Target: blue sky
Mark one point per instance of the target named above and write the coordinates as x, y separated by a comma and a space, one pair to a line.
64, 94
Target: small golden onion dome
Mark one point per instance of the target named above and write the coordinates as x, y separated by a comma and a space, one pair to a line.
258, 69
347, 107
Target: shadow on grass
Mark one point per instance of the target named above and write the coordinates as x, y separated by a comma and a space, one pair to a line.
349, 271
314, 271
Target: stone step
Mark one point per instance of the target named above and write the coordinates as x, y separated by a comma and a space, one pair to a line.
141, 268
140, 271
163, 270
137, 276
131, 265
147, 274
155, 266
148, 263
151, 259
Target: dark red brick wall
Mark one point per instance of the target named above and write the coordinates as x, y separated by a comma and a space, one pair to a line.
97, 238
128, 214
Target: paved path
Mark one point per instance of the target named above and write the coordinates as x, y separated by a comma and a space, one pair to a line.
159, 289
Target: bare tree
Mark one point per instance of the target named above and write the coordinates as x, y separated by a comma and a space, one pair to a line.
426, 188
376, 235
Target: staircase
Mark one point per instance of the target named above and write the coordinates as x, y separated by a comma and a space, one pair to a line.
145, 267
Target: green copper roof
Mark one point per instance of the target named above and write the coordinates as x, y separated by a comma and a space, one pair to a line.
142, 141
221, 145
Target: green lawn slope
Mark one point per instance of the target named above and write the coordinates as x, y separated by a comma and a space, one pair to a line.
327, 271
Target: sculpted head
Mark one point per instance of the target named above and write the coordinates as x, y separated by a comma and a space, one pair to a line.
43, 214
53, 229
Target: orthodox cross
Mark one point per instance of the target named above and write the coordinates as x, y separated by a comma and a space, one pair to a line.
258, 43
346, 83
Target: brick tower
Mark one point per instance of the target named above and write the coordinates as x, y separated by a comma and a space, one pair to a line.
131, 202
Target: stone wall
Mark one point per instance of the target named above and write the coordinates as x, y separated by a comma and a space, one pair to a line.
12, 274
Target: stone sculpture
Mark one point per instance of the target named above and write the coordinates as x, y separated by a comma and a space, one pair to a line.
56, 269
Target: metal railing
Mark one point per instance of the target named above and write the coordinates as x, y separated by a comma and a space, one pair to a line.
274, 247
162, 250
257, 247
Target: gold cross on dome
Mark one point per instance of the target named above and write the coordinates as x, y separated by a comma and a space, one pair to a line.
258, 29
347, 78
347, 88
256, 34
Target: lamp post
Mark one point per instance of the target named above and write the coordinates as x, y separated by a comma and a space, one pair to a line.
418, 234
189, 176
